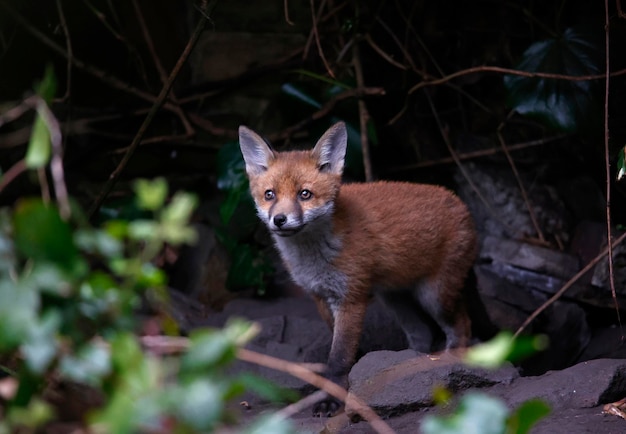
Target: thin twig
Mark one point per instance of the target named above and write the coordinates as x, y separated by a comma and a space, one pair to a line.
520, 184
500, 70
444, 134
17, 111
189, 130
297, 407
70, 51
363, 114
105, 77
383, 54
476, 154
175, 345
326, 109
148, 119
318, 381
607, 163
148, 39
286, 9
320, 50
8, 176
568, 285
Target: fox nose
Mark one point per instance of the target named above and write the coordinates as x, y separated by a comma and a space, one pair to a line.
280, 220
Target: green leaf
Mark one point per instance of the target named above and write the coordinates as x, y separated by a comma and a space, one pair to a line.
209, 349
202, 403
41, 234
477, 413
527, 415
41, 344
561, 104
151, 194
47, 87
293, 91
231, 169
271, 424
37, 413
229, 204
504, 348
39, 146
18, 310
621, 165
89, 365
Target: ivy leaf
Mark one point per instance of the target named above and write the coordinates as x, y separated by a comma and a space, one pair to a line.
562, 104
621, 165
39, 147
41, 234
526, 415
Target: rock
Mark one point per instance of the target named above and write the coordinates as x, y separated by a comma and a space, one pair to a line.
393, 383
509, 304
529, 257
585, 385
507, 214
600, 277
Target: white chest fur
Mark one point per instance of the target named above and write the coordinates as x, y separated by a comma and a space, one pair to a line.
309, 256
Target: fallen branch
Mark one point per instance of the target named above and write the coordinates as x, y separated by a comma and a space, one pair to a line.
175, 345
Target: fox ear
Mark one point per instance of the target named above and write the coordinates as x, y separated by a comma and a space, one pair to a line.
256, 153
330, 149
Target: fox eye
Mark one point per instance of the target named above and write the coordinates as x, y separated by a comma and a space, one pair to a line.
269, 195
305, 194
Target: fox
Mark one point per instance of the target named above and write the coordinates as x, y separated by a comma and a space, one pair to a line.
412, 245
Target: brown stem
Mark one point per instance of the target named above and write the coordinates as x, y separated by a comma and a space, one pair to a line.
500, 70
531, 213
363, 114
607, 162
444, 134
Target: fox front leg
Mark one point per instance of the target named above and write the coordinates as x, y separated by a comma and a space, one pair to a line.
347, 326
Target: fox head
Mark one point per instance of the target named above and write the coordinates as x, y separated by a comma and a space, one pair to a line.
296, 189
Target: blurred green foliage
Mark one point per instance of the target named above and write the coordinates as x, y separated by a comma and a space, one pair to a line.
68, 300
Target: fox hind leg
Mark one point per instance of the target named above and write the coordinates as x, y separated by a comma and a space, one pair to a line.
418, 326
444, 302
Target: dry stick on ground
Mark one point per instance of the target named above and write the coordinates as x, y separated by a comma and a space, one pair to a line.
567, 285
607, 163
318, 381
173, 345
148, 119
501, 70
520, 184
363, 114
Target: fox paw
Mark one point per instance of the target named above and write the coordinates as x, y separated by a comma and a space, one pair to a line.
327, 407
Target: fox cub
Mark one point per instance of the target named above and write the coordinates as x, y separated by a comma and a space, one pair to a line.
411, 244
